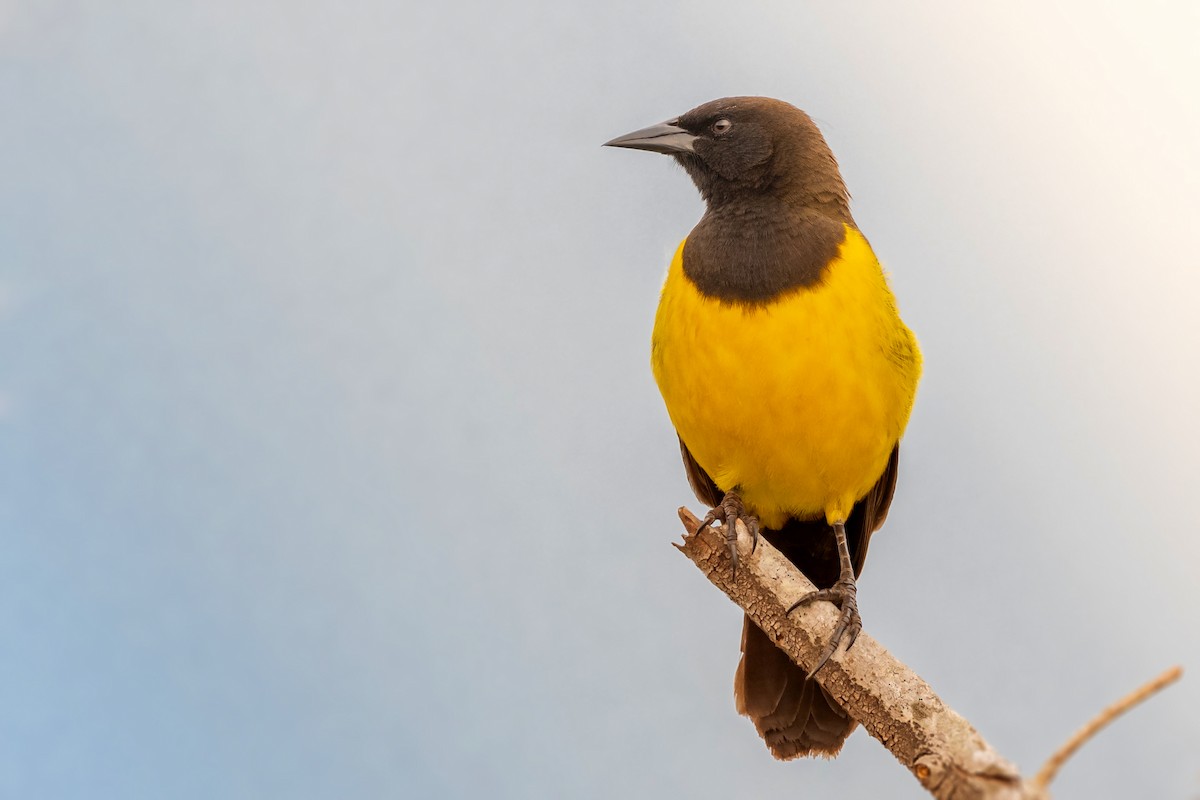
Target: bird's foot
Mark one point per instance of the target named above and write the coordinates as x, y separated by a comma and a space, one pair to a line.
844, 595
729, 511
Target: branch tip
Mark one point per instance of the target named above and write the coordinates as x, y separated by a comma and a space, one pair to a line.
691, 523
1053, 764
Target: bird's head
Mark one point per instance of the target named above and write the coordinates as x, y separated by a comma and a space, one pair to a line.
739, 148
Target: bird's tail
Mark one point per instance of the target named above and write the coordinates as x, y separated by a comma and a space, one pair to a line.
792, 713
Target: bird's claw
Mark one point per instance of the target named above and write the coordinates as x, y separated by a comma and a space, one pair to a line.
844, 595
728, 512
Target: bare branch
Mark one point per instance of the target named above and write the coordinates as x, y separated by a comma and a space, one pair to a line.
1081, 737
930, 739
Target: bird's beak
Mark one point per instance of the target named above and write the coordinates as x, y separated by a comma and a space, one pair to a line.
665, 138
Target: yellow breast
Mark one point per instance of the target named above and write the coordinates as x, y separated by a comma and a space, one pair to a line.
797, 403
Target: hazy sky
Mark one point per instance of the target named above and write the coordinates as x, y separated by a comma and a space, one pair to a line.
330, 460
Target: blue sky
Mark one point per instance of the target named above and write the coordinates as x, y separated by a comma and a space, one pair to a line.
323, 379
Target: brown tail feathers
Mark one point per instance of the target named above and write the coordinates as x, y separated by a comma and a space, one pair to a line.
790, 710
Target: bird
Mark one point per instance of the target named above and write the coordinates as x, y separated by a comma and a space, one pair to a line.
789, 377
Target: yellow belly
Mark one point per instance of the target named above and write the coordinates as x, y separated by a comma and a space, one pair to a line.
797, 403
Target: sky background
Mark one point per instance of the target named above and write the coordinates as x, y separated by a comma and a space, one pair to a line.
330, 460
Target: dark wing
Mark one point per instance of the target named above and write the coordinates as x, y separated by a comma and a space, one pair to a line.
870, 512
705, 488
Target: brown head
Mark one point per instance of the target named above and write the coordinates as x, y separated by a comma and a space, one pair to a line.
777, 205
736, 148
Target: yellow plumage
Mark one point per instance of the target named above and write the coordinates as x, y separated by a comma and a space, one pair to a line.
797, 402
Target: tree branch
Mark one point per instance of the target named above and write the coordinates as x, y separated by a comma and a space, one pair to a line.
888, 699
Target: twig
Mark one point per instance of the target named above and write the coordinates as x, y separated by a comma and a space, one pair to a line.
1054, 763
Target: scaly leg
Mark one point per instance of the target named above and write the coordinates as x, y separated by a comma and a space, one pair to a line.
843, 594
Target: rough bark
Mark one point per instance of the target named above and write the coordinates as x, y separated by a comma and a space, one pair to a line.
888, 699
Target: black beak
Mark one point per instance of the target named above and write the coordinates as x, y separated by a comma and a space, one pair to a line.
665, 138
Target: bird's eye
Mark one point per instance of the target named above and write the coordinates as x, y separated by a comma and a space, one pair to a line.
721, 126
